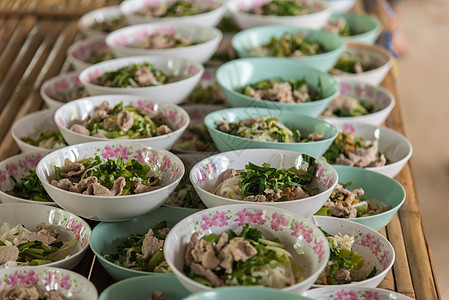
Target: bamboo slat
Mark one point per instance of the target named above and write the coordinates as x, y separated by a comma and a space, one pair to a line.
388, 282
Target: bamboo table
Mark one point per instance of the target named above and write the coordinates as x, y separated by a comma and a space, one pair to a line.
34, 37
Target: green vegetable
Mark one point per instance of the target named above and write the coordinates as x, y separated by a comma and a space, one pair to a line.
37, 253
289, 45
324, 211
46, 139
349, 63
282, 8
30, 187
125, 76
185, 195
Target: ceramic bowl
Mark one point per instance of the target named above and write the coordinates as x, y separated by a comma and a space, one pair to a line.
367, 93
107, 236
207, 40
187, 72
82, 51
236, 74
247, 40
320, 12
368, 28
31, 126
340, 6
30, 215
63, 84
118, 208
172, 115
204, 176
72, 285
208, 91
372, 55
141, 288
260, 293
395, 146
210, 18
15, 167
392, 193
88, 20
373, 246
306, 125
353, 292
290, 228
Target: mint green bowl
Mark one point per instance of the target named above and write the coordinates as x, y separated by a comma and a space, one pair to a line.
246, 40
141, 288
377, 186
245, 292
369, 27
237, 73
228, 142
106, 236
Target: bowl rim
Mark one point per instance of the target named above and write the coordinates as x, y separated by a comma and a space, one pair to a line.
79, 103
370, 231
46, 183
208, 117
180, 273
271, 204
84, 42
374, 22
50, 82
355, 288
118, 63
232, 6
217, 35
255, 60
87, 29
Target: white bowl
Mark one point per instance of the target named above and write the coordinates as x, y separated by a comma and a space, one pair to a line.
30, 126
17, 166
174, 116
395, 146
175, 92
372, 54
208, 39
340, 6
72, 285
353, 293
80, 52
205, 174
62, 83
212, 18
290, 228
106, 13
376, 249
365, 93
245, 20
30, 215
117, 208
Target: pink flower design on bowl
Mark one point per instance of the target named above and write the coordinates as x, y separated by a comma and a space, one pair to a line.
246, 216
56, 279
348, 128
346, 295
167, 30
345, 88
30, 278
372, 243
218, 218
278, 221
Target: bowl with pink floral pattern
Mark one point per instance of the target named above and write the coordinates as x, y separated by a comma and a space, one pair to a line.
71, 229
208, 178
87, 52
358, 103
376, 250
12, 170
100, 22
67, 283
304, 241
165, 170
353, 293
183, 75
169, 115
62, 89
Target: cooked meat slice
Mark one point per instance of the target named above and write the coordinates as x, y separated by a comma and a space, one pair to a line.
238, 249
343, 212
316, 136
82, 186
204, 253
157, 295
190, 245
147, 111
151, 244
222, 241
208, 274
302, 94
164, 231
103, 106
54, 295
342, 275
256, 198
118, 186
342, 160
100, 115
8, 253
299, 193
223, 126
358, 68
141, 188
99, 135
160, 41
98, 190
64, 184
281, 92
125, 120
379, 162
78, 128
42, 235
20, 292
72, 169
163, 129
144, 77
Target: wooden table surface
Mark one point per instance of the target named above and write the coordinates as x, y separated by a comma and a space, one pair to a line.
34, 37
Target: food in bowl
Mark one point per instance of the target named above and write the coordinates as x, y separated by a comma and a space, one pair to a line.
349, 63
243, 259
161, 40
99, 56
20, 246
281, 8
345, 106
174, 9
185, 195
122, 121
267, 129
29, 292
135, 76
345, 203
283, 91
143, 252
289, 45
350, 150
339, 26
94, 176
265, 183
71, 94
47, 139
109, 25
207, 94
29, 187
196, 138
